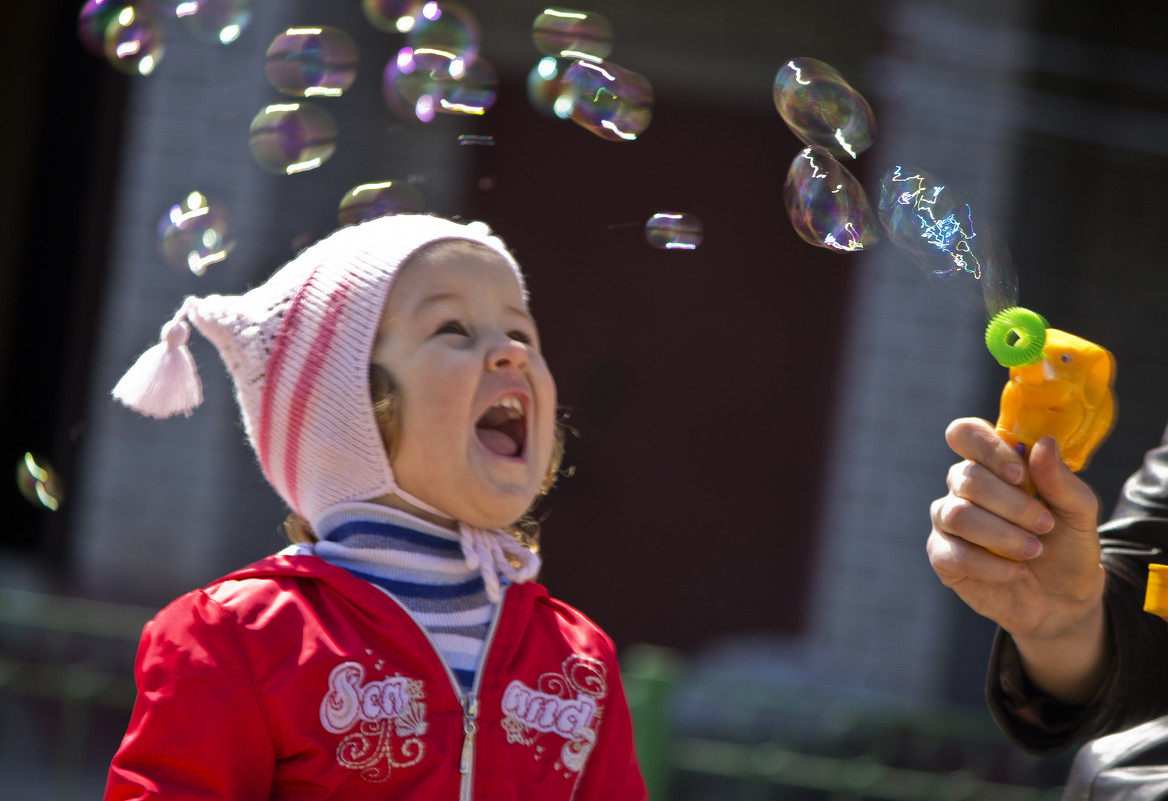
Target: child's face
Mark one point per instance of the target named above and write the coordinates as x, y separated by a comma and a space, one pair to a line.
477, 401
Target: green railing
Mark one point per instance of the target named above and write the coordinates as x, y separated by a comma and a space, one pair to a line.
749, 743
73, 659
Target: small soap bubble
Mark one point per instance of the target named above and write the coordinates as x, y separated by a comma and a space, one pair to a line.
423, 82
610, 101
134, 40
195, 234
287, 138
38, 482
545, 87
391, 16
826, 204
445, 27
955, 247
475, 139
312, 62
572, 34
214, 21
667, 230
367, 201
92, 21
821, 108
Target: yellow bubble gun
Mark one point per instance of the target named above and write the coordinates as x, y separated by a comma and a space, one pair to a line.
1060, 386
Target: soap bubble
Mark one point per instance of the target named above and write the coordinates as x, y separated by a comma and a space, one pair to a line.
610, 101
288, 138
134, 41
367, 201
423, 82
214, 21
92, 21
955, 248
826, 203
674, 231
391, 16
195, 233
309, 62
571, 33
444, 27
545, 88
821, 108
38, 482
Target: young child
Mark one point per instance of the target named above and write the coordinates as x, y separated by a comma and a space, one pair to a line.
392, 387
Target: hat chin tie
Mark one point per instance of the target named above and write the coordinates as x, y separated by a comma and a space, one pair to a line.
486, 550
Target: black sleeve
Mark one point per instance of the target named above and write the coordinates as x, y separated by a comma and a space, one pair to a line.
1136, 687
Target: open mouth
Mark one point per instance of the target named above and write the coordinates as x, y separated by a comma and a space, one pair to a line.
503, 428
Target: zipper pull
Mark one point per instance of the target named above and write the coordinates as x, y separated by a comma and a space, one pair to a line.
470, 726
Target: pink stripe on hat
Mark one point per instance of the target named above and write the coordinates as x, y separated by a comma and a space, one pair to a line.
289, 326
306, 384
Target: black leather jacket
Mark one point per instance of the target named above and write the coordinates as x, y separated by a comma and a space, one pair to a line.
1136, 687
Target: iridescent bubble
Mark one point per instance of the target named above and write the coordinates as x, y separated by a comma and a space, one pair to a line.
288, 138
476, 139
956, 248
445, 27
368, 201
674, 231
572, 34
545, 87
134, 41
423, 82
310, 62
821, 108
826, 204
391, 16
215, 21
38, 482
195, 233
610, 101
94, 17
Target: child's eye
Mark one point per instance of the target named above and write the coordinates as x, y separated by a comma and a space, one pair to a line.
452, 327
520, 336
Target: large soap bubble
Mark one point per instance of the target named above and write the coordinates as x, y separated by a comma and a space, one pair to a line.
214, 21
287, 138
312, 62
610, 101
955, 248
572, 34
826, 204
424, 82
822, 109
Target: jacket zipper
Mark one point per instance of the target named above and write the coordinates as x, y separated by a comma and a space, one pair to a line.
468, 701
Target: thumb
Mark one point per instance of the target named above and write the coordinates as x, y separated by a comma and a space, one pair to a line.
1069, 498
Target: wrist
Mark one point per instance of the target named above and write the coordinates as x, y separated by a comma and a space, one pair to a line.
1071, 665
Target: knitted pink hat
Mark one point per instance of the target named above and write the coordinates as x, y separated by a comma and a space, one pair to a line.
298, 348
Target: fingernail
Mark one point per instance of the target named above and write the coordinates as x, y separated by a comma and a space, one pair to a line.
1013, 473
1032, 548
1044, 524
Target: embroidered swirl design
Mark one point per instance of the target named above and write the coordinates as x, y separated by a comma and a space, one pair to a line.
389, 716
566, 704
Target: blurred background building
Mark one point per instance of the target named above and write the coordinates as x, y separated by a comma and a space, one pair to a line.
760, 421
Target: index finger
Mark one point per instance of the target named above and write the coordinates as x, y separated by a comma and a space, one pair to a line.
976, 440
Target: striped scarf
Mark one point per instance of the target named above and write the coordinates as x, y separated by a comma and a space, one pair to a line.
423, 567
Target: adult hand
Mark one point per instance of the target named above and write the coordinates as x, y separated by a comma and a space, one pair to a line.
1050, 598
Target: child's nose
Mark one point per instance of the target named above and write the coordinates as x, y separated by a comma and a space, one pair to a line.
508, 354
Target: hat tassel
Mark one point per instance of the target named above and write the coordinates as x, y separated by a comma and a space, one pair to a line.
164, 381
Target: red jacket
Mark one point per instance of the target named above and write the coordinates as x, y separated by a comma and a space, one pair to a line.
293, 679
